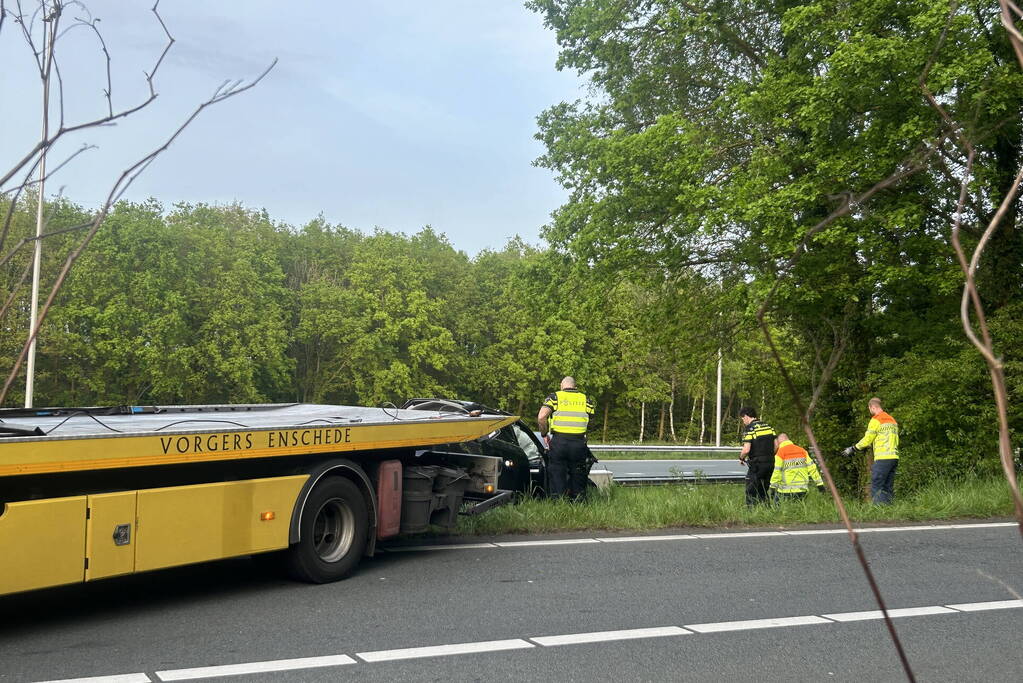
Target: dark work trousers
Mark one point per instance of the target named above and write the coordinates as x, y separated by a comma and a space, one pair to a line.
568, 466
882, 480
758, 481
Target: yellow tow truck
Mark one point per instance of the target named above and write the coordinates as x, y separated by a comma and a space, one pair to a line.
91, 493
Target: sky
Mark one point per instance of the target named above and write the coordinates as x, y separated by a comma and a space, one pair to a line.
394, 115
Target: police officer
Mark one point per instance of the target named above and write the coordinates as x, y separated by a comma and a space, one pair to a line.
568, 457
883, 436
794, 470
758, 454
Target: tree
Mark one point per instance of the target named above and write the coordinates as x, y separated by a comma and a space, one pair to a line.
790, 146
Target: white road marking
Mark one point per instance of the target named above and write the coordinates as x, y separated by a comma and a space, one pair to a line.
450, 546
562, 541
116, 678
756, 623
443, 650
674, 537
604, 636
635, 539
254, 667
893, 613
543, 641
980, 606
741, 534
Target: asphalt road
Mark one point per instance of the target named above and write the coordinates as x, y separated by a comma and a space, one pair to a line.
626, 470
517, 595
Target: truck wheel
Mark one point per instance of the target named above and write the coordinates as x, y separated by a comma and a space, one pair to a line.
333, 532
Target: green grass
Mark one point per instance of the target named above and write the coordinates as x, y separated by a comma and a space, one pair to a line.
661, 455
722, 505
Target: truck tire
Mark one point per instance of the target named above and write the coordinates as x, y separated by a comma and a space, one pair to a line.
332, 533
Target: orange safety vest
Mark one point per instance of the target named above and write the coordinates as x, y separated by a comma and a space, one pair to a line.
794, 469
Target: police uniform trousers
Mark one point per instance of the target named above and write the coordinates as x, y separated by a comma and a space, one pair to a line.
758, 480
568, 465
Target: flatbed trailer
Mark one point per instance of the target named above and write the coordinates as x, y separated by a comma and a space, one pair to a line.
92, 493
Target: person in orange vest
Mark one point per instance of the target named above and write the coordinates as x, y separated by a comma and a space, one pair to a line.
883, 436
794, 470
568, 457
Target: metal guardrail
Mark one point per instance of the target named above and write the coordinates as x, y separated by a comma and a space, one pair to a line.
664, 481
654, 479
664, 449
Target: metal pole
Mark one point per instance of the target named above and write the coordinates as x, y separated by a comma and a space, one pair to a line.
717, 433
37, 255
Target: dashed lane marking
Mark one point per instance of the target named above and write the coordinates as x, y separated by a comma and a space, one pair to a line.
606, 636
542, 641
254, 668
893, 613
981, 606
752, 624
444, 650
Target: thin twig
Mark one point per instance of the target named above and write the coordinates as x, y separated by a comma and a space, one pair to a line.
117, 191
970, 296
848, 203
107, 119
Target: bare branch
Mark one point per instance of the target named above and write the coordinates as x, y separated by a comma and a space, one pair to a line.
107, 119
971, 296
123, 182
1011, 13
848, 203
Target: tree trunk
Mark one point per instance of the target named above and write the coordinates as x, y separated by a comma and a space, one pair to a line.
692, 420
642, 419
703, 420
660, 424
671, 411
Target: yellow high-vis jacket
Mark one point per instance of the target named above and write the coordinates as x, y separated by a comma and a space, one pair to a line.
571, 411
794, 469
883, 434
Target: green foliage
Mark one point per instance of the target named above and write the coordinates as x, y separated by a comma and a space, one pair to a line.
720, 135
716, 138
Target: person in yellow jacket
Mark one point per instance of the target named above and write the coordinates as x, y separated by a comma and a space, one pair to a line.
568, 456
794, 470
883, 436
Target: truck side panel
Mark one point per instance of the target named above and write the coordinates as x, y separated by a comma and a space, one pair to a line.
185, 524
110, 535
42, 543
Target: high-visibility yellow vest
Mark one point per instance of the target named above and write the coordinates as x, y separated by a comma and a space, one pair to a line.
794, 469
571, 412
883, 434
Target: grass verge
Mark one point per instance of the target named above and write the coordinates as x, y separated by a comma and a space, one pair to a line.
688, 505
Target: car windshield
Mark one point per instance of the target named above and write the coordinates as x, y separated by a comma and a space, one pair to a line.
527, 444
